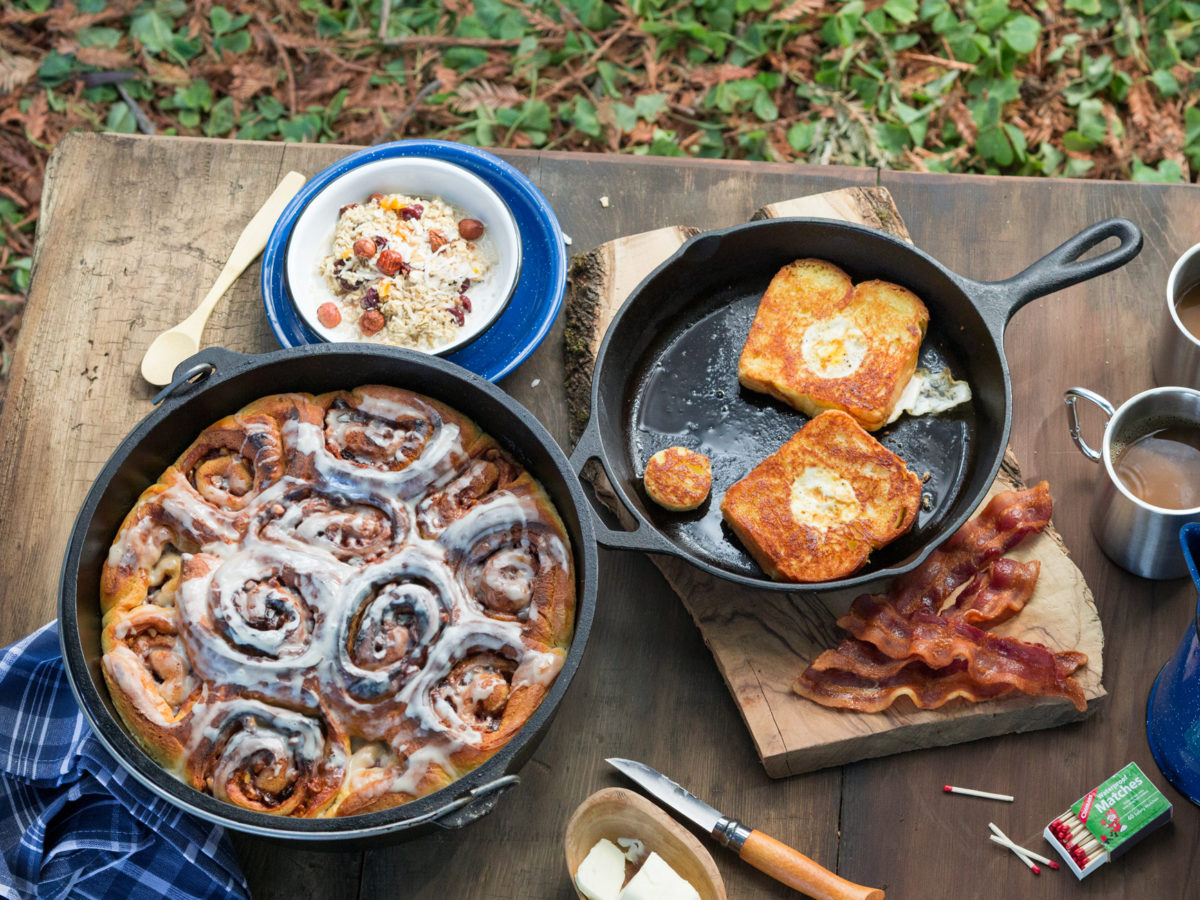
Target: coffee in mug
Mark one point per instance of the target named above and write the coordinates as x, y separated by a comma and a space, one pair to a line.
1150, 482
1162, 466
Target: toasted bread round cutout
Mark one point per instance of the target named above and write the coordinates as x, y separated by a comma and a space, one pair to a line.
678, 479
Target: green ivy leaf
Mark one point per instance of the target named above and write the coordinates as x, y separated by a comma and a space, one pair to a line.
800, 136
56, 68
220, 19
1092, 123
151, 30
993, 145
649, 106
664, 143
764, 107
903, 11
1077, 143
237, 42
1022, 33
120, 119
99, 37
221, 119
1167, 171
581, 113
197, 95
987, 14
624, 116
1166, 83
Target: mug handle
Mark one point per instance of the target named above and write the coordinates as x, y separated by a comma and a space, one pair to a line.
1078, 393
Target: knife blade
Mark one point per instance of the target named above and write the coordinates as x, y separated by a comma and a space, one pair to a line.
781, 862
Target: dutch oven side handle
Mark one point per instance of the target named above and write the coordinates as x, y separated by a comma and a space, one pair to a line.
212, 364
644, 537
1058, 269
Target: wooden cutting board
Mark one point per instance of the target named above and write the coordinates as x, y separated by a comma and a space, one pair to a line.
762, 640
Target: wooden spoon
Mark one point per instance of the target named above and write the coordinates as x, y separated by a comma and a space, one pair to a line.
175, 345
617, 813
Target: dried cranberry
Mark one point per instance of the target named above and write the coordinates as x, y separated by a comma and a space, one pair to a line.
412, 212
346, 286
338, 263
465, 286
370, 300
457, 311
342, 211
380, 241
465, 302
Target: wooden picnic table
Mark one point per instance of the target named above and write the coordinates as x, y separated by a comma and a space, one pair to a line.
134, 230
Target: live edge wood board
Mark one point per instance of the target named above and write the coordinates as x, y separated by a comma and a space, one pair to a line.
762, 640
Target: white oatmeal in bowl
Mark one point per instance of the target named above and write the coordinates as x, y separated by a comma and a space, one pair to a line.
403, 271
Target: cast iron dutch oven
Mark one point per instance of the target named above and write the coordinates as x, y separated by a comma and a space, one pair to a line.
666, 374
215, 383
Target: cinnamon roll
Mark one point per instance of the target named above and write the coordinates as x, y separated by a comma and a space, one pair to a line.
333, 605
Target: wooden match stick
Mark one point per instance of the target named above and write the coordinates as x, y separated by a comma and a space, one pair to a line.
951, 789
1001, 838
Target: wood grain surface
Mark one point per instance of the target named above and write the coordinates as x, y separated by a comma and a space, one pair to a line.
135, 229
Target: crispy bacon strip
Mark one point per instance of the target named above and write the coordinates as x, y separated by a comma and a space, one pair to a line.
997, 594
927, 688
938, 641
1008, 519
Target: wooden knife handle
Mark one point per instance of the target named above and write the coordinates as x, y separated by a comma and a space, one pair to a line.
796, 870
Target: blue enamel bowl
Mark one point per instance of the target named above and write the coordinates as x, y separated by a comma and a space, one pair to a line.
535, 302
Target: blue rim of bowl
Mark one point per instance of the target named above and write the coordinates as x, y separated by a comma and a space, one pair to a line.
534, 304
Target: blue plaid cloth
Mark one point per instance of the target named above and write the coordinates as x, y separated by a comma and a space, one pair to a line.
73, 823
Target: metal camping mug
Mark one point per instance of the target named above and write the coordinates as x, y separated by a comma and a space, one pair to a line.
1138, 537
1177, 352
1172, 711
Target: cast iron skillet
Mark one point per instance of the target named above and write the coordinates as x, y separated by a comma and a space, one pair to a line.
666, 374
220, 383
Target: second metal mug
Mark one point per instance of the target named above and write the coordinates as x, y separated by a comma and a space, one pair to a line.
1140, 538
1177, 350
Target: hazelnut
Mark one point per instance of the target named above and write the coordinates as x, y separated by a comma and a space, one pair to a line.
390, 262
372, 321
375, 198
470, 229
437, 240
364, 247
329, 315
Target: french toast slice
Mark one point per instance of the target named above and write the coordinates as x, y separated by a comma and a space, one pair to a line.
816, 508
819, 342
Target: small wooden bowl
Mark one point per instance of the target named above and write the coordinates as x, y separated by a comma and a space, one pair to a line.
618, 813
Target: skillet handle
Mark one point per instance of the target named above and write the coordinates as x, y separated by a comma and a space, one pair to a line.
644, 538
1058, 269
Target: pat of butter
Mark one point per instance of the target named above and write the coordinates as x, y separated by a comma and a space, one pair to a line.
602, 872
656, 880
